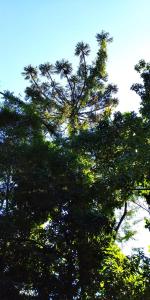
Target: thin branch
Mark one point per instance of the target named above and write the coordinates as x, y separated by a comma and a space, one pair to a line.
3, 94
85, 77
141, 189
38, 87
71, 88
122, 218
142, 207
61, 94
9, 96
90, 111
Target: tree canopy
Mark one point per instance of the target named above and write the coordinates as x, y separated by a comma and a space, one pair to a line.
68, 160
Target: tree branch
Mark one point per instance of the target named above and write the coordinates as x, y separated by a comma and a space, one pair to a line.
85, 75
61, 94
122, 218
142, 207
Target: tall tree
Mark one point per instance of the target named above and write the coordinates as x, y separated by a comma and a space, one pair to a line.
67, 162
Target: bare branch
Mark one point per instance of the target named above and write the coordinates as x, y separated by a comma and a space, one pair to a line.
141, 206
122, 218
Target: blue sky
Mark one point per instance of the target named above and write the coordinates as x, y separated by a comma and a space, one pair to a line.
35, 31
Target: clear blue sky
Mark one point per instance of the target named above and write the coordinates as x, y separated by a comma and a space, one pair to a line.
37, 31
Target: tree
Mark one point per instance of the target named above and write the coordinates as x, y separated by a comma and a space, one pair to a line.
124, 277
66, 165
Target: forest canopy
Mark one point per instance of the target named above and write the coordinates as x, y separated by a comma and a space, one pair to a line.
68, 160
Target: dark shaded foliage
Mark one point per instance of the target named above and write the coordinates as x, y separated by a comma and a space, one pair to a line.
66, 164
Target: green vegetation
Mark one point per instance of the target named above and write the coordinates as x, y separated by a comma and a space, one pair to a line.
67, 162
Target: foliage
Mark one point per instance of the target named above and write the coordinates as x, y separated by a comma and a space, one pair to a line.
124, 277
67, 162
